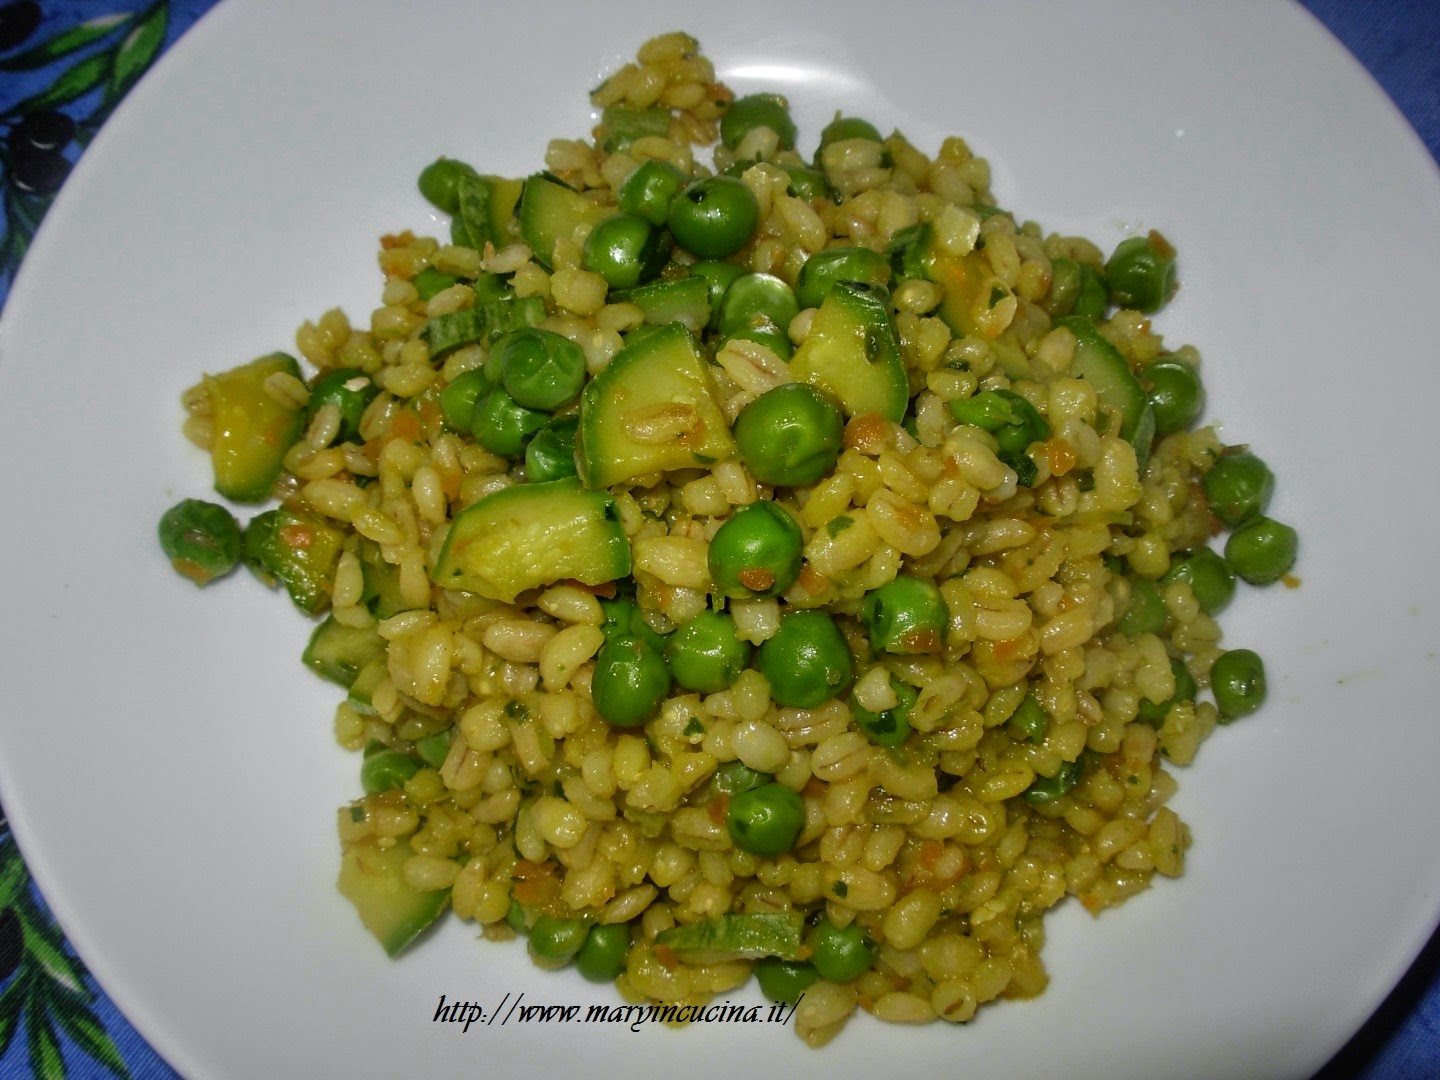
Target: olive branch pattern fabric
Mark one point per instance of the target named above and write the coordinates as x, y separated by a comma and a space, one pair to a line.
70, 78
65, 65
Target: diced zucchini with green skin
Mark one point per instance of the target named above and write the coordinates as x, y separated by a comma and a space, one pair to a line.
908, 252
550, 211
258, 535
620, 125
251, 429
1117, 387
961, 277
509, 313
660, 376
483, 323
531, 535
738, 936
381, 591
852, 352
373, 879
455, 328
301, 550
362, 690
471, 224
338, 653
684, 300
504, 198
486, 211
970, 290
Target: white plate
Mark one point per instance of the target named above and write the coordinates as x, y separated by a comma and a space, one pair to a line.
168, 765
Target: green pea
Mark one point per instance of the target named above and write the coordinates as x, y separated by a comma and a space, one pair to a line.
1238, 486
1209, 576
1076, 289
516, 919
808, 184
434, 749
1141, 273
648, 191
625, 250
439, 183
386, 769
201, 539
1093, 297
756, 111
707, 654
602, 957
619, 615
550, 455
807, 661
906, 616
824, 268
1030, 721
1016, 424
1154, 713
557, 939
847, 127
1262, 550
772, 337
503, 426
623, 617
891, 726
540, 369
909, 252
766, 820
458, 399
840, 953
1145, 613
719, 276
1176, 394
351, 391
714, 217
757, 552
753, 300
430, 281
784, 980
733, 777
1008, 416
790, 435
629, 682
1046, 789
1237, 679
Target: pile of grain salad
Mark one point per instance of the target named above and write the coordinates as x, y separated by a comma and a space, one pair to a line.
771, 565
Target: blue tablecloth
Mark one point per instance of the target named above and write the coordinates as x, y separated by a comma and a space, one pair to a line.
64, 65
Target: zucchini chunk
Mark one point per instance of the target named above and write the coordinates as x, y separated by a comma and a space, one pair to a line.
853, 354
300, 550
738, 935
652, 409
339, 653
373, 879
531, 535
252, 429
550, 211
1117, 387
